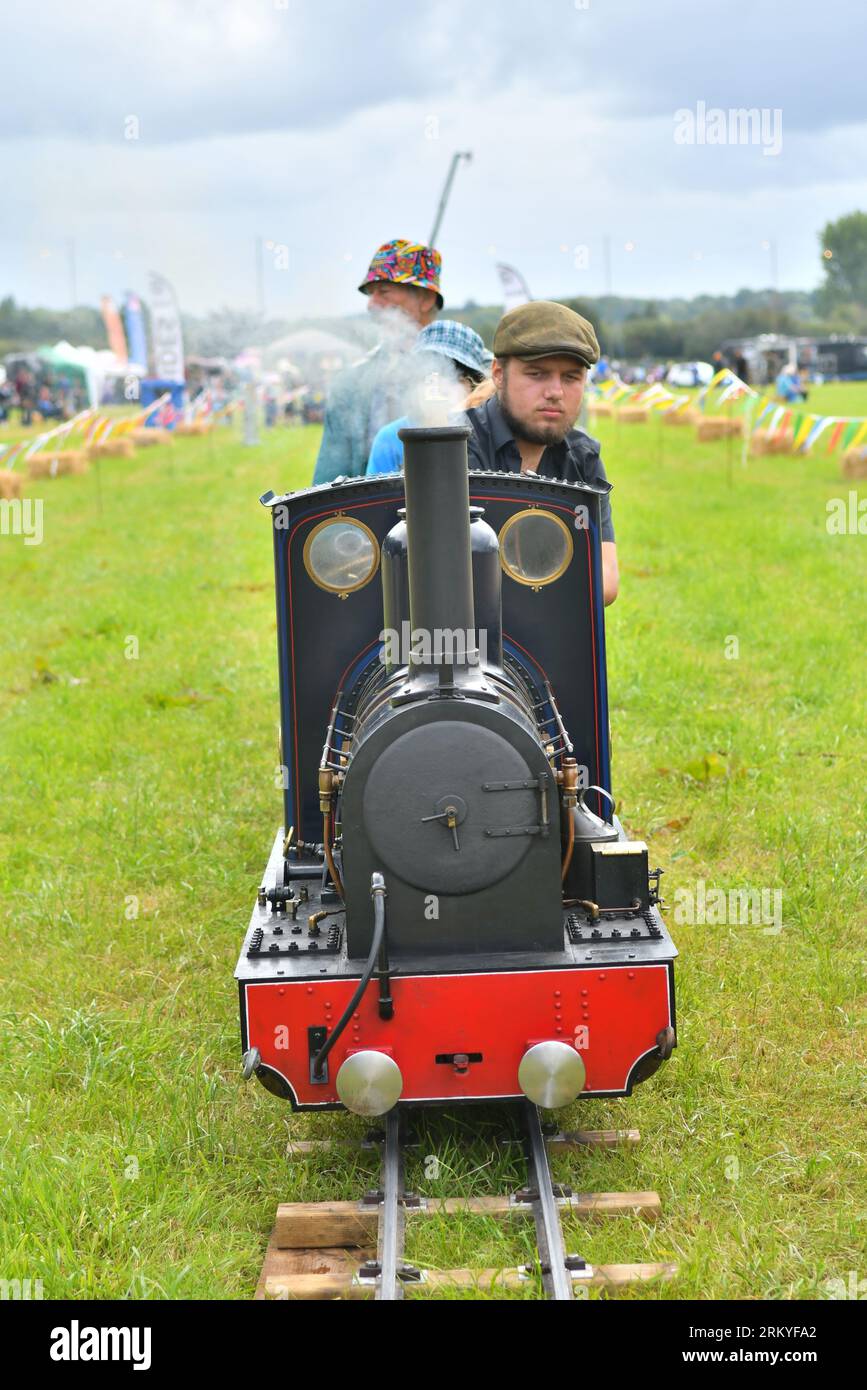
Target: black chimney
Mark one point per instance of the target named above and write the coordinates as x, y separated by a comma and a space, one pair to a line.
438, 538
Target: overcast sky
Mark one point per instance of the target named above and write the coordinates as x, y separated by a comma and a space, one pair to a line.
327, 126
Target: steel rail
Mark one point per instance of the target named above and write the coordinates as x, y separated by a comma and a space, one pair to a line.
392, 1216
556, 1278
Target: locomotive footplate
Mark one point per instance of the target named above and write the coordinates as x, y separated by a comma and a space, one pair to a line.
584, 928
610, 997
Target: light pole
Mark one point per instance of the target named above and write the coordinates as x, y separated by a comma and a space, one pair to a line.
450, 178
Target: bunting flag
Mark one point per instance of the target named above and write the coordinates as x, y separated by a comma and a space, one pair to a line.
36, 445
9, 453
198, 407
653, 397
849, 433
132, 422
60, 432
758, 411
651, 394
860, 436
227, 409
775, 419
78, 422
618, 394
729, 385
819, 425
732, 392
97, 430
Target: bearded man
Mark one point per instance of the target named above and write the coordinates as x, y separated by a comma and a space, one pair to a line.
542, 352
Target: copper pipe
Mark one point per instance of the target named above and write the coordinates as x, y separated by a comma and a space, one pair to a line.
316, 917
570, 845
569, 786
329, 857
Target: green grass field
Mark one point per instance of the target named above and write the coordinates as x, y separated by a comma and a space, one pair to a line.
138, 712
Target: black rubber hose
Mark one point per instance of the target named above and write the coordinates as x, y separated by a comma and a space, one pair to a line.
377, 892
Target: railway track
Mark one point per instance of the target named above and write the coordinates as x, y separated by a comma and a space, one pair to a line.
337, 1250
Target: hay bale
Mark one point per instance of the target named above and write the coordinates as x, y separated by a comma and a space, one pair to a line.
687, 416
718, 427
763, 442
634, 414
196, 427
855, 463
142, 435
10, 483
44, 464
121, 448
601, 408
72, 461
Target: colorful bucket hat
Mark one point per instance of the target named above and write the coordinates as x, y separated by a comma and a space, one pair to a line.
405, 263
457, 342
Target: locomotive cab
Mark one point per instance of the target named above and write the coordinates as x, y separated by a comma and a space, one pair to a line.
453, 911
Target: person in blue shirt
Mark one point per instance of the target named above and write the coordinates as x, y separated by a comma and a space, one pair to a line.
789, 385
451, 359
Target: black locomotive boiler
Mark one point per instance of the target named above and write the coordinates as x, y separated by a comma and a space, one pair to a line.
452, 911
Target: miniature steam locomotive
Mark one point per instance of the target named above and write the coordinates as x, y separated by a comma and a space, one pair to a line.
453, 912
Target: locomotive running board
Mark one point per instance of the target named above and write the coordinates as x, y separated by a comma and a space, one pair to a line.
333, 1250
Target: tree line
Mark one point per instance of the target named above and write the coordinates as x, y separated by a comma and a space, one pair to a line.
661, 329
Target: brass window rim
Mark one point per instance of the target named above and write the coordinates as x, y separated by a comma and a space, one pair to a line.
341, 519
537, 583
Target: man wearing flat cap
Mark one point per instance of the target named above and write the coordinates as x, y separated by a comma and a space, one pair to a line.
542, 352
402, 286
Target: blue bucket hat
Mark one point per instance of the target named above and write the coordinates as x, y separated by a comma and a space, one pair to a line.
457, 342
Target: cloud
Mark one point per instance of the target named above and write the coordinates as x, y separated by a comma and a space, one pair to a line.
324, 129
205, 68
